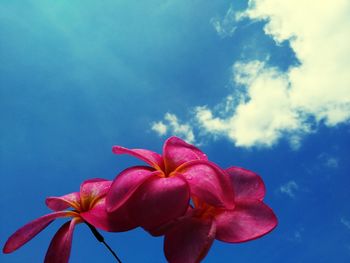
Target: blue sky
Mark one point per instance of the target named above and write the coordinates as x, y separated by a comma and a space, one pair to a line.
260, 85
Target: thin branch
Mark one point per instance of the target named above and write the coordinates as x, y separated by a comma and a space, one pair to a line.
101, 239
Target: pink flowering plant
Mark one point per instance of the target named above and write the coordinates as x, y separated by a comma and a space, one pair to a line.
87, 205
180, 195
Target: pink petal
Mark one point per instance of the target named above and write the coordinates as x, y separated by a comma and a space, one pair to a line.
152, 158
92, 190
30, 230
249, 220
208, 182
162, 229
113, 222
190, 240
246, 184
95, 186
60, 246
159, 200
177, 152
59, 203
125, 184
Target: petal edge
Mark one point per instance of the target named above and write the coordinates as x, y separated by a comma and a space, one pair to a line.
249, 220
60, 246
30, 230
176, 152
208, 182
246, 184
125, 185
190, 240
152, 158
159, 200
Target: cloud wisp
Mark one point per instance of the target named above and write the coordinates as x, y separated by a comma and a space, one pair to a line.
172, 126
271, 104
289, 188
329, 161
345, 222
225, 27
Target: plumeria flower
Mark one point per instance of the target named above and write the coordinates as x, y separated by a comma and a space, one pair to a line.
189, 238
161, 192
88, 206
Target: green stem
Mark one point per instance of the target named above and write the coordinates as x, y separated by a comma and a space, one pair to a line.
101, 239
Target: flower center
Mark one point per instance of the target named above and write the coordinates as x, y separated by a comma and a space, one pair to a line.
163, 173
204, 210
89, 202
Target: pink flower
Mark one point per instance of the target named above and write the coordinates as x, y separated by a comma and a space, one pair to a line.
88, 206
159, 193
189, 238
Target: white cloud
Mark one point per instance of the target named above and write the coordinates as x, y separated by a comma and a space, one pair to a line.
345, 222
263, 115
279, 103
269, 104
289, 188
160, 128
172, 126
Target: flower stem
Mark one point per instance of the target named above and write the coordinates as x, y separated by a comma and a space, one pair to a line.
101, 239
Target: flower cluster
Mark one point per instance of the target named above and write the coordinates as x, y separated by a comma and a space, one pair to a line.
180, 194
